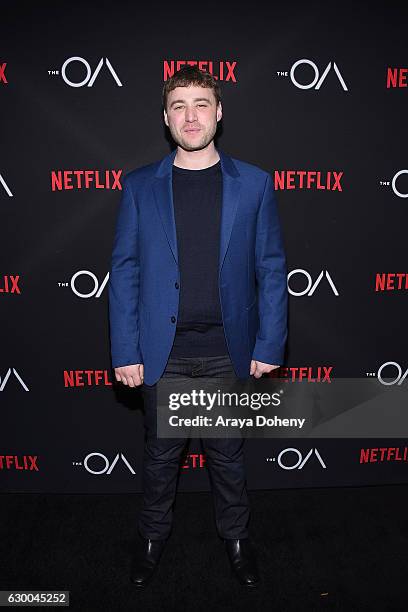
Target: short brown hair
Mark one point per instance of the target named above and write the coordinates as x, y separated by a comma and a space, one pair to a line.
190, 75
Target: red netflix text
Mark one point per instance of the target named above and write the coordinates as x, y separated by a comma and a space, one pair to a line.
307, 179
3, 73
9, 284
15, 462
85, 179
391, 281
193, 461
86, 378
223, 71
396, 77
381, 454
319, 374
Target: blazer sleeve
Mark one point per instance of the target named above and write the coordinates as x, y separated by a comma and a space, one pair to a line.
124, 276
271, 275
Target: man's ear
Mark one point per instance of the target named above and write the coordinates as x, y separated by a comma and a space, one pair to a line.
166, 121
219, 111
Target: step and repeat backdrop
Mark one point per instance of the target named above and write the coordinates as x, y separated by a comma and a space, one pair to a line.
318, 98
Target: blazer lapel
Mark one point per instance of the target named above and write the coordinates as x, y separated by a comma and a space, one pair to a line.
163, 192
231, 192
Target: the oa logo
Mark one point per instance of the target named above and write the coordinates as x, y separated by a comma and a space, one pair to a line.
5, 187
393, 184
96, 290
97, 463
399, 375
292, 459
318, 80
89, 79
311, 285
7, 376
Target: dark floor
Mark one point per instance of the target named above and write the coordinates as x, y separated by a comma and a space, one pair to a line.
319, 549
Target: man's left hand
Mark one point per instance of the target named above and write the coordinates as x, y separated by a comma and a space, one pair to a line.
258, 368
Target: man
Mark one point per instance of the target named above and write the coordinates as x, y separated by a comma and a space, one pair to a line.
197, 288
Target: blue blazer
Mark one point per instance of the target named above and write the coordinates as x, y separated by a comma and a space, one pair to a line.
144, 277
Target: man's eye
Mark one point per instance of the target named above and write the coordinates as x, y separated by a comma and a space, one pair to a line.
202, 105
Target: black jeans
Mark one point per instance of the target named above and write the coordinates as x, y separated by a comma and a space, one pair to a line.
161, 462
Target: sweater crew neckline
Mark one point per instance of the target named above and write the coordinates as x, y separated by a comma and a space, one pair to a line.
214, 169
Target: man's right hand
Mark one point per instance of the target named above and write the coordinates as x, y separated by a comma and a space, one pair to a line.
131, 375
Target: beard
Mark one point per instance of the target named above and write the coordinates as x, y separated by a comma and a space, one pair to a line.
200, 143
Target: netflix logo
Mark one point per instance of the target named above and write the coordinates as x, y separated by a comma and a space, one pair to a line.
9, 284
3, 79
308, 179
193, 461
391, 281
86, 378
396, 77
320, 374
221, 71
16, 462
381, 455
62, 180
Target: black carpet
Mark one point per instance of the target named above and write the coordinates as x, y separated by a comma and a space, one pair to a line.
319, 549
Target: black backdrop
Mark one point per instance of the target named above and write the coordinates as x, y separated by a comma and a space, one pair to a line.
305, 88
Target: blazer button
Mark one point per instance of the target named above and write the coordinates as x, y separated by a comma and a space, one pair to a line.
173, 319
176, 285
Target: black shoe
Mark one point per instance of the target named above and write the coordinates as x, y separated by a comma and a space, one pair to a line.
146, 560
243, 562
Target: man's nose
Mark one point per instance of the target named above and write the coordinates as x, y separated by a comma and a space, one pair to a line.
191, 114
